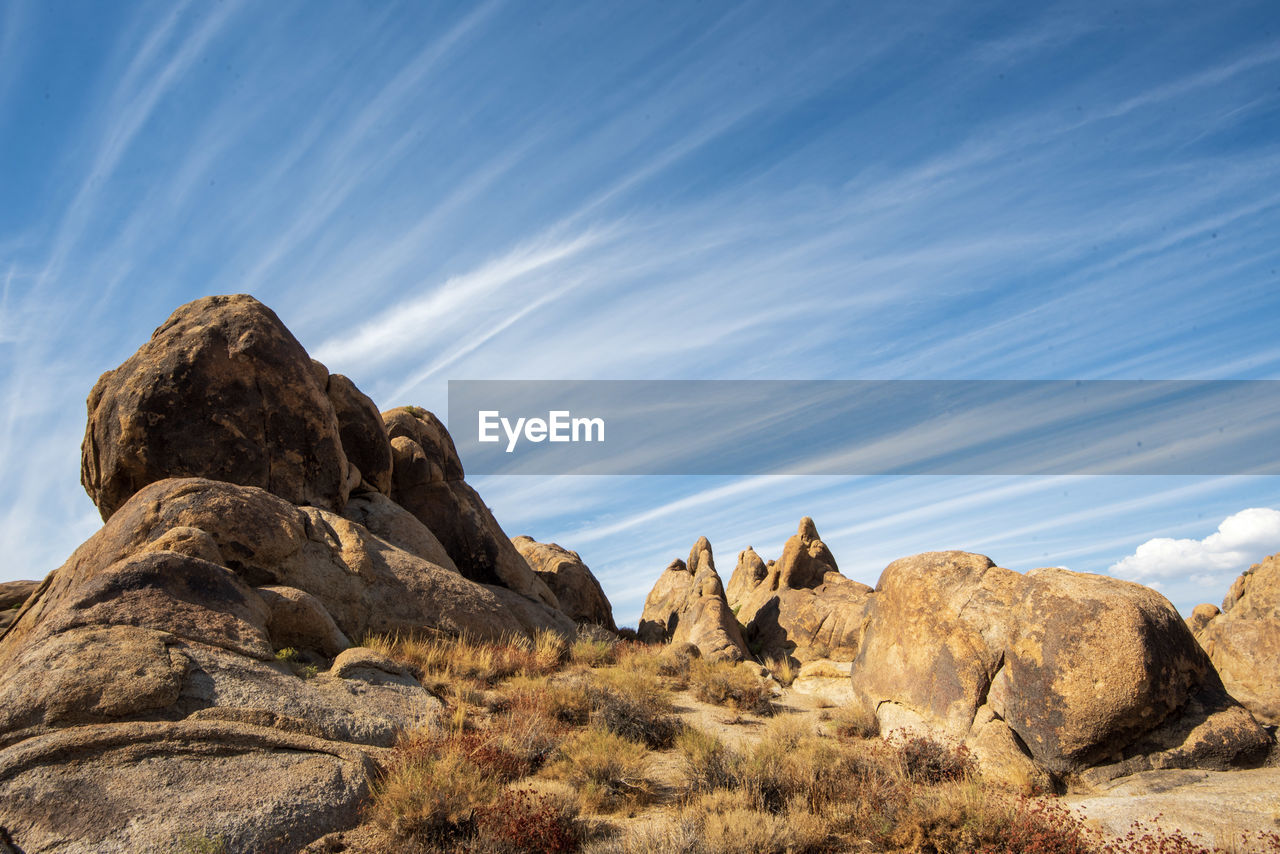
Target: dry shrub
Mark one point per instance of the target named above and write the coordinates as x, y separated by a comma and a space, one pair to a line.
438, 659
666, 834
531, 737
725, 684
739, 829
565, 700
1144, 838
930, 761
634, 705
521, 821
429, 796
784, 669
708, 764
607, 770
855, 721
591, 652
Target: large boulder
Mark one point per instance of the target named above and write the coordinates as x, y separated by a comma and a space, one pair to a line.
1066, 671
688, 605
222, 390
580, 596
427, 480
798, 606
1243, 640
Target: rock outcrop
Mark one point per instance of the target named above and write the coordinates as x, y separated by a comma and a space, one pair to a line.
798, 606
222, 390
1051, 670
1243, 639
688, 605
189, 671
579, 594
427, 480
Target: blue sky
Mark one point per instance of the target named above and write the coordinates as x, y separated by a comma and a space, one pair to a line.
427, 192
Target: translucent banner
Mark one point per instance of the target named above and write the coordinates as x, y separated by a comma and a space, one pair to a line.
863, 427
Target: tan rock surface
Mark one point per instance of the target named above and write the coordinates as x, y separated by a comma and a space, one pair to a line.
1085, 670
99, 788
799, 606
363, 433
578, 592
688, 605
1243, 641
222, 390
428, 481
1213, 808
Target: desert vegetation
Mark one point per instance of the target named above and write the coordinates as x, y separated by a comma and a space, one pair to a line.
611, 746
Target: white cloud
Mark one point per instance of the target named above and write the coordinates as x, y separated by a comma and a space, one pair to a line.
1242, 539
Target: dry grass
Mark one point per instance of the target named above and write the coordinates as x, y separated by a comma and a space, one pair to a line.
726, 684
784, 669
854, 721
608, 771
540, 731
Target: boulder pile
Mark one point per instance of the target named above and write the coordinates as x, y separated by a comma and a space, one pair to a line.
191, 669
1050, 678
1243, 639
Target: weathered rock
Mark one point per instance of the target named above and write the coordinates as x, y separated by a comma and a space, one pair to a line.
299, 620
14, 593
155, 786
147, 701
391, 522
427, 480
747, 575
1200, 617
363, 433
1243, 641
688, 605
799, 606
1084, 670
580, 596
222, 390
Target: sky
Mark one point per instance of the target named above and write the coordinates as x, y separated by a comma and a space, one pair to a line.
568, 191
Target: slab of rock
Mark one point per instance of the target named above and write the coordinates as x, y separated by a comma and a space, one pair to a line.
222, 390
1218, 810
1243, 640
157, 786
579, 594
798, 606
1083, 671
427, 480
688, 605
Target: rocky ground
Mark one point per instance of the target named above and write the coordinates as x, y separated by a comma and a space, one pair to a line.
300, 628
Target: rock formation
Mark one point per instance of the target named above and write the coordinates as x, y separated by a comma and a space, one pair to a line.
1243, 640
799, 605
1053, 669
190, 669
688, 605
427, 480
580, 596
222, 390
